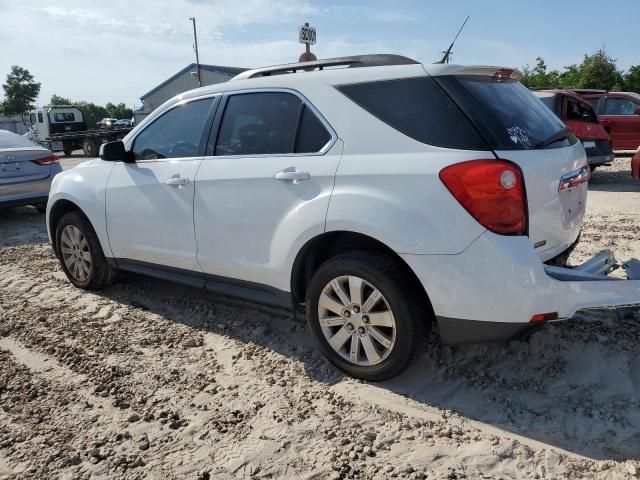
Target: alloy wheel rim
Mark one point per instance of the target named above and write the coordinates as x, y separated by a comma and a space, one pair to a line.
356, 320
75, 253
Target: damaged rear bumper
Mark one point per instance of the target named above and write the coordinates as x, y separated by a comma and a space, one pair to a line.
493, 290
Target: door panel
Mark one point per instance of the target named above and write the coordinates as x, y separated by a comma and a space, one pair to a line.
246, 220
149, 203
265, 188
619, 119
150, 212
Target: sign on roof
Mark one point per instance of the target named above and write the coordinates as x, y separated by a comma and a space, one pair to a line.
307, 35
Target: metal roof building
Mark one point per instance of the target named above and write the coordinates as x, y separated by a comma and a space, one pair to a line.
185, 80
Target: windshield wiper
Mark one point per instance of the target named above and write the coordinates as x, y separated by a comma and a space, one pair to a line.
556, 137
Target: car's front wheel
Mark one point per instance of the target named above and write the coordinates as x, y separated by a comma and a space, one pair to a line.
367, 315
80, 253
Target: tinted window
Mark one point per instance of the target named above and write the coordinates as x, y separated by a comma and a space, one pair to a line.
552, 102
32, 118
579, 111
619, 106
593, 101
418, 108
504, 110
40, 118
63, 117
175, 134
259, 123
312, 135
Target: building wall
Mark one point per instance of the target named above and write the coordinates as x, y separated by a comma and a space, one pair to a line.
180, 84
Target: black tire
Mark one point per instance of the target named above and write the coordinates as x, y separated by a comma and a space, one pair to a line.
592, 168
101, 274
67, 152
90, 148
405, 300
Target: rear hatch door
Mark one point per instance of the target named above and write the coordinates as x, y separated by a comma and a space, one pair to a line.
520, 128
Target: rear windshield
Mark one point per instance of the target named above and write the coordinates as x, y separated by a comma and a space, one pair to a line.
64, 117
11, 140
507, 114
420, 109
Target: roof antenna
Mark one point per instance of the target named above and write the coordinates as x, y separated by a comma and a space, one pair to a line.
447, 53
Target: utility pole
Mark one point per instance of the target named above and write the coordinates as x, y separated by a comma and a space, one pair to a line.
195, 39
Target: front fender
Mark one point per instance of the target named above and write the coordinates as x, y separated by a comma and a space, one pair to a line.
84, 186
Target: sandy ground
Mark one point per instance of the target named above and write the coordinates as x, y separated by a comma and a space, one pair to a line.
151, 380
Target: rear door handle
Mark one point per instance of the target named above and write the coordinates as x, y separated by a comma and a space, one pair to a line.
177, 181
292, 175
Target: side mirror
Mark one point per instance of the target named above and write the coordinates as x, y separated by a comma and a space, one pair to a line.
115, 152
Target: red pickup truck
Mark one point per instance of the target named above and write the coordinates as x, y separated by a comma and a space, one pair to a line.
579, 116
619, 113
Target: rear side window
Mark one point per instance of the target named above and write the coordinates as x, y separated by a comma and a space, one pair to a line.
507, 114
269, 123
175, 134
418, 108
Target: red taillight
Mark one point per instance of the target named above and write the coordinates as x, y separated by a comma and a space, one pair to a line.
492, 191
53, 158
544, 317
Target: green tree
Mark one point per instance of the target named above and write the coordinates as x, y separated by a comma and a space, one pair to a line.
631, 81
570, 77
539, 77
92, 113
600, 71
58, 100
118, 111
20, 92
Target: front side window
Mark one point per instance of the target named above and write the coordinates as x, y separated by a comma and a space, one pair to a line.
175, 134
619, 106
269, 123
32, 118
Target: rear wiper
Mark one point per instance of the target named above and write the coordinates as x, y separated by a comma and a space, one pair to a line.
556, 137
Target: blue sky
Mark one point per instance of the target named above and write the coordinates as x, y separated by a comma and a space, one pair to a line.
117, 50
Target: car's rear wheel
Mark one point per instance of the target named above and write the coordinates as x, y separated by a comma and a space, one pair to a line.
367, 315
80, 253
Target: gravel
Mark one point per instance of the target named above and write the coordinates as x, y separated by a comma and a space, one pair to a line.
150, 380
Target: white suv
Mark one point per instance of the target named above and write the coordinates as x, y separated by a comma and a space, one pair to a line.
385, 195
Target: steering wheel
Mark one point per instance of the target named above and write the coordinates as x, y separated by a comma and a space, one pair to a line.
183, 149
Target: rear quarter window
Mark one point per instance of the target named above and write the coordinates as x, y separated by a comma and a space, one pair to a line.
418, 108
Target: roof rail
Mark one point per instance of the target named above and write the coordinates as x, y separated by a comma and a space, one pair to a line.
355, 61
587, 90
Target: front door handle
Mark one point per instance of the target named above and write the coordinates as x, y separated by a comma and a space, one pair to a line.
177, 181
292, 175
